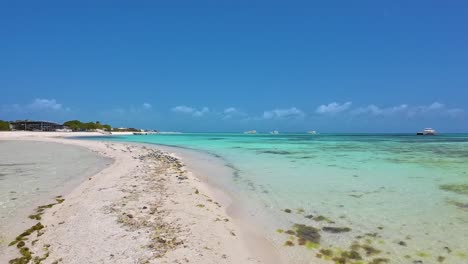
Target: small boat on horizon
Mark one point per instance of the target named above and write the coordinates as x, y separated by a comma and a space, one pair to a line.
251, 132
427, 132
312, 132
274, 132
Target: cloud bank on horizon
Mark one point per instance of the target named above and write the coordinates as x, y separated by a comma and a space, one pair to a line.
51, 108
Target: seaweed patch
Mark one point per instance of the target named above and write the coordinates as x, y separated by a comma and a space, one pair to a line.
321, 218
26, 255
456, 188
308, 233
336, 230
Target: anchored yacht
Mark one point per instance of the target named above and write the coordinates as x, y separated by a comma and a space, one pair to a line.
427, 132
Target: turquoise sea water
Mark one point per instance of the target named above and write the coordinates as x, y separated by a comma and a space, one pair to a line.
405, 196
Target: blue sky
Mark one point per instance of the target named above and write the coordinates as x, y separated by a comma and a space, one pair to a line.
331, 66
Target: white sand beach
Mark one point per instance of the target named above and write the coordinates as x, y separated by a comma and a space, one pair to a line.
145, 207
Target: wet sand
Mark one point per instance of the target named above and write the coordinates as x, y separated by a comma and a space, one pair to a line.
33, 173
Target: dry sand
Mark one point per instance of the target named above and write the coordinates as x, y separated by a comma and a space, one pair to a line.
144, 208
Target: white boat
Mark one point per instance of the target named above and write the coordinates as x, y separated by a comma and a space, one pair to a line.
427, 132
274, 132
251, 132
312, 132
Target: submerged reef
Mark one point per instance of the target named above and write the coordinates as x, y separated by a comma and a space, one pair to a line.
277, 152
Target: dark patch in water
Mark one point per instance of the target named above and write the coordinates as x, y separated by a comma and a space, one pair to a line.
307, 157
336, 230
463, 206
236, 175
456, 188
308, 233
251, 186
276, 152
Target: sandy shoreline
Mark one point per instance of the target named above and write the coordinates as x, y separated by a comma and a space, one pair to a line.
146, 207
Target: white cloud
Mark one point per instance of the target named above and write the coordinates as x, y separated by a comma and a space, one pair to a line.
201, 112
37, 105
292, 112
232, 112
435, 108
376, 110
333, 108
147, 106
455, 111
183, 109
190, 110
43, 104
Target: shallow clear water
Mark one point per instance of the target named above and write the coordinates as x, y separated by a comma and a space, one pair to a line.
386, 188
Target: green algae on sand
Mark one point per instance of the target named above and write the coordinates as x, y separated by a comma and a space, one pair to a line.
26, 233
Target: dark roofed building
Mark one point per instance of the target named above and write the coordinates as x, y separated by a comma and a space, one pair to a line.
36, 125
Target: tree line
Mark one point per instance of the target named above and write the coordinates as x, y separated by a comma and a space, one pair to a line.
77, 125
4, 126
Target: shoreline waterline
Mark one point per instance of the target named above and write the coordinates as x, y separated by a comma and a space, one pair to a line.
213, 171
204, 166
388, 191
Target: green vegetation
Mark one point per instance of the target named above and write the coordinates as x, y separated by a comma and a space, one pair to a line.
77, 125
4, 126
